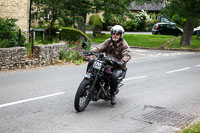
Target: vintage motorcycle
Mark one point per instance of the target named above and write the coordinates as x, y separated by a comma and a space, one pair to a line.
96, 82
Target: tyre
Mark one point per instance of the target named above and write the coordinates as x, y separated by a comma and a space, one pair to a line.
82, 97
179, 34
158, 33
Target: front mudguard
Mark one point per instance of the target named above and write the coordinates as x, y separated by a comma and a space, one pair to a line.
88, 76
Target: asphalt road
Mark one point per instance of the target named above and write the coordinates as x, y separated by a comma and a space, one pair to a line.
41, 100
108, 32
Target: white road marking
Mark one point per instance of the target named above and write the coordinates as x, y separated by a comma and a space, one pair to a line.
178, 70
31, 99
140, 50
143, 54
60, 93
134, 78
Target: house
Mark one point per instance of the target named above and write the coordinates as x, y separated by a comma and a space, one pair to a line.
150, 7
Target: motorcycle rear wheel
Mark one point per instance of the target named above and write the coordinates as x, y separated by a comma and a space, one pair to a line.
82, 97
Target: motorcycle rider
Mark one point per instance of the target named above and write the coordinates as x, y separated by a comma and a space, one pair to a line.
117, 48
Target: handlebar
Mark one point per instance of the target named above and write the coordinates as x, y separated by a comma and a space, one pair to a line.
105, 58
101, 55
88, 53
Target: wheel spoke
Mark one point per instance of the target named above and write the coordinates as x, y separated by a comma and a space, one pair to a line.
83, 99
82, 96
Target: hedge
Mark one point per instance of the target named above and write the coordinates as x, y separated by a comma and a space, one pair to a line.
96, 22
71, 34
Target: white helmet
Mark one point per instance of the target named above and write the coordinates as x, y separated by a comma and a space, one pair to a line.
117, 29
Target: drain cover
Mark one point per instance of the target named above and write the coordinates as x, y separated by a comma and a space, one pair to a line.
165, 117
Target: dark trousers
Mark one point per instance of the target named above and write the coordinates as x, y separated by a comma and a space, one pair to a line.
115, 80
116, 75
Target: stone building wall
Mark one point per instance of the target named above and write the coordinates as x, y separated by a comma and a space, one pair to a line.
18, 9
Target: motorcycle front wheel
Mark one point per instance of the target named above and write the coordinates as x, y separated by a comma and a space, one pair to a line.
82, 97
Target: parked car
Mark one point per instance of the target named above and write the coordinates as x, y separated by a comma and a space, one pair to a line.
196, 30
166, 29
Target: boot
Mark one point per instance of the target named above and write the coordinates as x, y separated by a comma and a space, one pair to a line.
113, 99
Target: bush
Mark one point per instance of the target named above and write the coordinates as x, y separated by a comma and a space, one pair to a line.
150, 24
96, 22
130, 25
9, 33
72, 53
91, 21
71, 34
141, 19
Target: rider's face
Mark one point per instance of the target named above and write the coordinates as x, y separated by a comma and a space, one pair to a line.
115, 36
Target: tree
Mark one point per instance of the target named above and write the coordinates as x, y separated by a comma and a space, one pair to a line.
65, 12
185, 9
50, 11
79, 10
114, 10
190, 11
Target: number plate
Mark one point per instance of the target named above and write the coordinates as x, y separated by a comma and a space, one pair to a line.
97, 65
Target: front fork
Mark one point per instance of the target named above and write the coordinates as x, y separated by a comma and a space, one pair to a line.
95, 82
92, 88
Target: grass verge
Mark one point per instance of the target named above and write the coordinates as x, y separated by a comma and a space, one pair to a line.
194, 46
195, 128
146, 41
153, 41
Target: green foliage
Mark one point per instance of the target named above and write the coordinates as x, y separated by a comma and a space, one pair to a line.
28, 49
99, 5
151, 21
9, 33
72, 53
141, 19
183, 7
71, 34
49, 12
178, 11
96, 22
174, 17
188, 10
195, 128
180, 21
145, 41
91, 20
62, 12
193, 46
115, 10
152, 41
130, 25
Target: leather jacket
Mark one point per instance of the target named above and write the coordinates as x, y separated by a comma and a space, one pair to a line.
120, 51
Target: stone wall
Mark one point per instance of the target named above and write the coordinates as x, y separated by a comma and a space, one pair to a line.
18, 9
12, 58
15, 58
47, 54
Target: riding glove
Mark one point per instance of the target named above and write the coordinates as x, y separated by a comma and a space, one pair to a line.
119, 63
